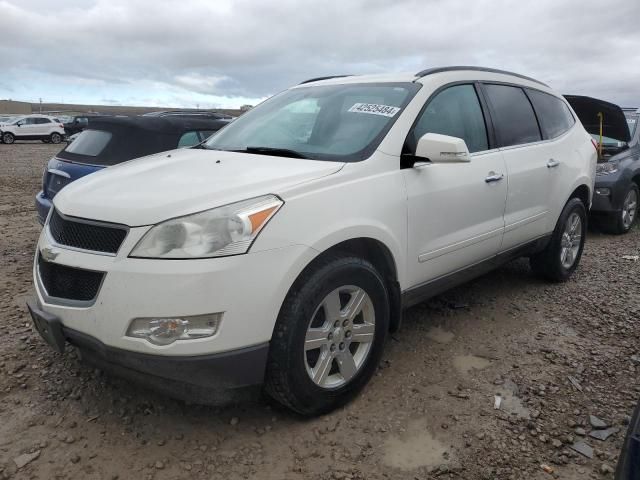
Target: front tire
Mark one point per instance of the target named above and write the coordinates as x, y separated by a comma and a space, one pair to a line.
625, 219
562, 255
55, 138
8, 138
329, 335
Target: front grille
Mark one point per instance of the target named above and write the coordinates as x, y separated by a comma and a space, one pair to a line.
69, 283
86, 236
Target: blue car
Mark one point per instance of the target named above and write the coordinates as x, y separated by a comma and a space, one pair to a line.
111, 140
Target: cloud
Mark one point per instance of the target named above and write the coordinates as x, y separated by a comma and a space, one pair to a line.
201, 51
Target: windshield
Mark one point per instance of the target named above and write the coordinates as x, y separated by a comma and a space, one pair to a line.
333, 122
632, 121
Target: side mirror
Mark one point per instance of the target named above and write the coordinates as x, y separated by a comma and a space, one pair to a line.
438, 148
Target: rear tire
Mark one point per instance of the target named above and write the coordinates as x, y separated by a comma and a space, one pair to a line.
8, 138
55, 138
562, 255
329, 335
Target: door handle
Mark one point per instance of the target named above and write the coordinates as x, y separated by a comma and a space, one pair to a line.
494, 177
552, 163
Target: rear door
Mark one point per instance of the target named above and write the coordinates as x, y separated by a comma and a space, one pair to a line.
455, 210
527, 162
564, 162
43, 126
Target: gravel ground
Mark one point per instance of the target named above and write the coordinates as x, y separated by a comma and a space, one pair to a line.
554, 354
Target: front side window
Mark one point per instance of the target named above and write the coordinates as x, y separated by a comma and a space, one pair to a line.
553, 114
456, 112
512, 115
333, 122
89, 143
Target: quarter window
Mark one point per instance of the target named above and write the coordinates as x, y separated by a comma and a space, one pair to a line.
554, 115
455, 112
512, 115
189, 139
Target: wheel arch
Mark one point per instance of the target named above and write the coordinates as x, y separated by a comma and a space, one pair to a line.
582, 192
380, 256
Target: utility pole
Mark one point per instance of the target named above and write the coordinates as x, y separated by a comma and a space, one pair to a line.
40, 104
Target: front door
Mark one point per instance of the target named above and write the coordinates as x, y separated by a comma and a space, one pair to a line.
455, 210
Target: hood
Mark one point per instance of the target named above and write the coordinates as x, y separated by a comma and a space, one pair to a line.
180, 182
614, 122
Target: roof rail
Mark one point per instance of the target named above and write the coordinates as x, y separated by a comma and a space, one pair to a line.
317, 79
430, 71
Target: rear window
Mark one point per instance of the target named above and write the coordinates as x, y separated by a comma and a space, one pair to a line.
89, 143
512, 115
554, 115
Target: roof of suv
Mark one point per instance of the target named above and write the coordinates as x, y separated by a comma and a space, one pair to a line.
412, 77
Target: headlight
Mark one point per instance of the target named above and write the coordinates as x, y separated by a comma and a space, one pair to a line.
227, 230
606, 168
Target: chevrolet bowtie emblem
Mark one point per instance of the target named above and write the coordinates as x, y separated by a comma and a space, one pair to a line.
49, 254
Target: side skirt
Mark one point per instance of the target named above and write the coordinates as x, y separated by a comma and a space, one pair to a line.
420, 293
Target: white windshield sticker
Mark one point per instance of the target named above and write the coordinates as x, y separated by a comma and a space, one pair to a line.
375, 109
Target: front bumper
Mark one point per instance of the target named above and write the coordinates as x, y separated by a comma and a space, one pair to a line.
43, 205
234, 369
247, 289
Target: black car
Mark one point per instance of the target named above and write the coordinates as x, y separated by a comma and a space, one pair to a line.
77, 124
629, 460
616, 195
191, 113
111, 140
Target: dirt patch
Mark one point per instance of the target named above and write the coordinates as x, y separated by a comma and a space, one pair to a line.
416, 448
420, 417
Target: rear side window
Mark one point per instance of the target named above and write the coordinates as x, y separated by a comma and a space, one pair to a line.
554, 115
89, 143
189, 139
42, 120
455, 112
512, 115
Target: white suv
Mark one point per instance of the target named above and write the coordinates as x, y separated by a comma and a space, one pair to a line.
283, 249
33, 127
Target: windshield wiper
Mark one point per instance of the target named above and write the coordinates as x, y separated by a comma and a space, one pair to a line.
280, 152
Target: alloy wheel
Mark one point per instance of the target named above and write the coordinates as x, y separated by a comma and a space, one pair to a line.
570, 242
339, 337
629, 208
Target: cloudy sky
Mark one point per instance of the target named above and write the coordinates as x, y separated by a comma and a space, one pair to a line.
225, 53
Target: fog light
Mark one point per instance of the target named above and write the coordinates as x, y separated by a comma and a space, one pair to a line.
164, 331
603, 191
